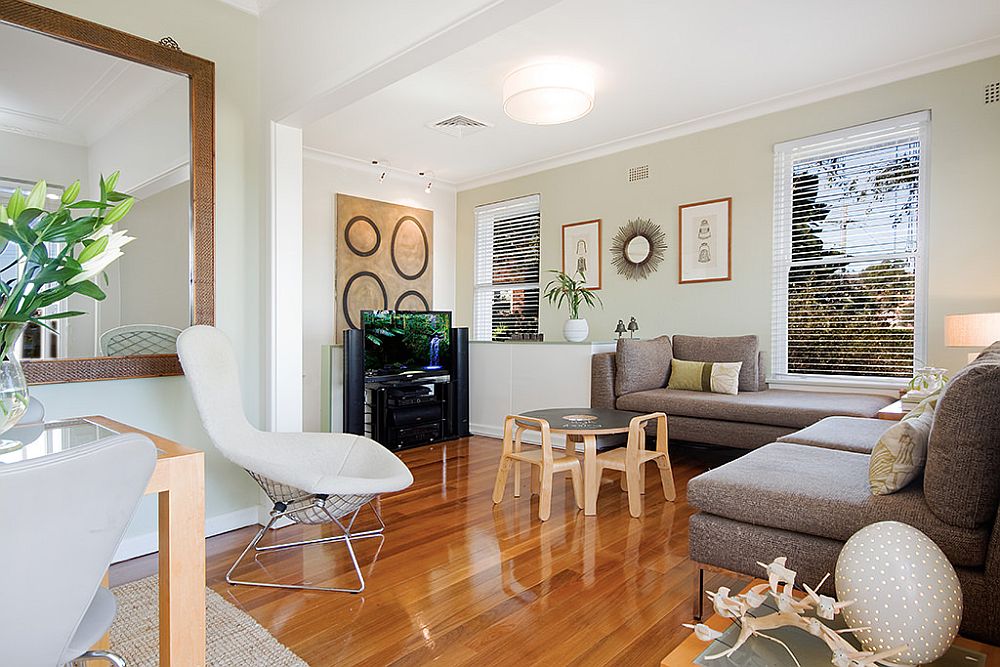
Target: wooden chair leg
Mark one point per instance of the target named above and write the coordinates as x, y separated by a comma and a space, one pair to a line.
577, 476
623, 482
642, 478
501, 482
634, 495
666, 478
535, 486
517, 464
545, 497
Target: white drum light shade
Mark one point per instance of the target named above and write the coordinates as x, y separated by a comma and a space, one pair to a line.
903, 589
548, 93
971, 330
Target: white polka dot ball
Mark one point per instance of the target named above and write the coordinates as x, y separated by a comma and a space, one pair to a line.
904, 590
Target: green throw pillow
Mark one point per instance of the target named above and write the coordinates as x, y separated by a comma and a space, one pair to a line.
899, 456
716, 377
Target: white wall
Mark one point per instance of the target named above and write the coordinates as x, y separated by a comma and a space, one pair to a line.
737, 161
227, 36
323, 178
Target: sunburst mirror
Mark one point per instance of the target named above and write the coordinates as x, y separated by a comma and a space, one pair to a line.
637, 248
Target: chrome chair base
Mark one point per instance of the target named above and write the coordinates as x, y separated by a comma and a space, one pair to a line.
112, 658
282, 509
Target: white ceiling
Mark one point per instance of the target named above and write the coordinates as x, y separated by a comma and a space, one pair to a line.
662, 66
62, 92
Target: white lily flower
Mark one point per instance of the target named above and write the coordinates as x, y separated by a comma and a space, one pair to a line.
95, 265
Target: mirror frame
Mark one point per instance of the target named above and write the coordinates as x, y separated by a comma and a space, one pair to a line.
201, 76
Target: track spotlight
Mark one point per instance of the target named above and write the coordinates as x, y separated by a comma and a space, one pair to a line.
422, 174
382, 170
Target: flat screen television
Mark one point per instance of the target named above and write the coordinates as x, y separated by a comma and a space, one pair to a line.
402, 343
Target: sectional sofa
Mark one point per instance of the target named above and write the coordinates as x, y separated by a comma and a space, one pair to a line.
807, 493
635, 377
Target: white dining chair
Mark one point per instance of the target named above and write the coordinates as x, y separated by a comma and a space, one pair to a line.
312, 478
62, 516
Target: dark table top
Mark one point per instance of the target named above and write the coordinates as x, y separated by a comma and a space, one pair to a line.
595, 421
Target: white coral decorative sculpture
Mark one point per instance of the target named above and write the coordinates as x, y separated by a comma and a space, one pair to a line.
791, 613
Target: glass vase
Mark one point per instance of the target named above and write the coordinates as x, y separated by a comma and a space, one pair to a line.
13, 386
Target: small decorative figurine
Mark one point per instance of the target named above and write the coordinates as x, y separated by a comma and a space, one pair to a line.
633, 326
620, 329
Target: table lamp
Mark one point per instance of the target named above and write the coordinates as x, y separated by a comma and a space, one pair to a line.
971, 330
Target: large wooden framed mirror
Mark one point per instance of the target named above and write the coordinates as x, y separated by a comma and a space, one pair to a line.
78, 99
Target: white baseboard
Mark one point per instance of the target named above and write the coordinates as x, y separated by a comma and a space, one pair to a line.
140, 545
534, 437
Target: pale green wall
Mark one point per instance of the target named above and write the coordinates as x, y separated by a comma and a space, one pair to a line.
228, 37
737, 161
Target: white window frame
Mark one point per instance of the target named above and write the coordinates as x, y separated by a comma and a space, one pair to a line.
784, 157
489, 287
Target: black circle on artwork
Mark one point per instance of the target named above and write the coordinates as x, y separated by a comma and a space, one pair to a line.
392, 248
347, 236
413, 293
347, 294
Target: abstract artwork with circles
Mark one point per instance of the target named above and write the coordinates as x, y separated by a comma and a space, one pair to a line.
385, 259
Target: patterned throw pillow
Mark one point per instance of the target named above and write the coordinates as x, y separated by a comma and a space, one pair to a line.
716, 377
898, 457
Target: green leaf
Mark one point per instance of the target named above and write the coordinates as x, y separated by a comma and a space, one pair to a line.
59, 316
88, 288
117, 196
36, 199
16, 203
71, 193
88, 203
119, 211
93, 249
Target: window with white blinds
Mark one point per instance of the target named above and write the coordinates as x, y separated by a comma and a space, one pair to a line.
849, 230
507, 269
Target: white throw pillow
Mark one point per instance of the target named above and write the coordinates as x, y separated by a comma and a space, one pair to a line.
898, 457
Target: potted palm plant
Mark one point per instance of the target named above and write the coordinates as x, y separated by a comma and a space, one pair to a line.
567, 289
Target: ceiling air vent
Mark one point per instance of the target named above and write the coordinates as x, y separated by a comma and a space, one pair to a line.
458, 126
992, 93
639, 173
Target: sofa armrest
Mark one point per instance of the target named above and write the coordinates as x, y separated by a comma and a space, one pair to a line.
602, 380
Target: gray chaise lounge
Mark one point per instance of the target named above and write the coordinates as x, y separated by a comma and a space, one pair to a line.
804, 496
635, 377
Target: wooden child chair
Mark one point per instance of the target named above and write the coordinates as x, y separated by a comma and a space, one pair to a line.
631, 459
547, 462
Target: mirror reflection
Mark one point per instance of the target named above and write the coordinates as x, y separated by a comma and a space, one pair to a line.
638, 249
68, 113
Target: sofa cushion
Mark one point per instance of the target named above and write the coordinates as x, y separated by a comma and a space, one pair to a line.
642, 364
962, 476
849, 434
777, 407
720, 377
722, 348
898, 457
822, 492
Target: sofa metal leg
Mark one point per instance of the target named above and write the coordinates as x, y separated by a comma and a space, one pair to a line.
699, 594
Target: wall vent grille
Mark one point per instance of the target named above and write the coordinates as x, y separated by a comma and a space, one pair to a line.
992, 93
458, 125
639, 173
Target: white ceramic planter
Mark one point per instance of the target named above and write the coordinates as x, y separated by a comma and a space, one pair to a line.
576, 331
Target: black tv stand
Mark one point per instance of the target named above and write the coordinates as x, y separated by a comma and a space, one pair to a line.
403, 412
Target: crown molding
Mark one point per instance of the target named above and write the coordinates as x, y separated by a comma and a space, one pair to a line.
962, 55
348, 162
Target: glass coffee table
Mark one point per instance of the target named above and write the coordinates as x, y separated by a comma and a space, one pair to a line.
583, 424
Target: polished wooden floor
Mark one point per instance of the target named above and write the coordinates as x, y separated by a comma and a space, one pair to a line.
457, 580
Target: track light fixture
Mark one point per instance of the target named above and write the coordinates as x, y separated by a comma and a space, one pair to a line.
424, 174
382, 170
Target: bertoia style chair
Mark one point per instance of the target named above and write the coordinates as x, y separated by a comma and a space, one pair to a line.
62, 516
312, 478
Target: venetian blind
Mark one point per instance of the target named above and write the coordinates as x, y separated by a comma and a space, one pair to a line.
849, 229
506, 263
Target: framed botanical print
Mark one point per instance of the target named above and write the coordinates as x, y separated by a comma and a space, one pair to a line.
581, 248
705, 241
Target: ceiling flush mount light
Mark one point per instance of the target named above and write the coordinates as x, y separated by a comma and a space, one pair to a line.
548, 93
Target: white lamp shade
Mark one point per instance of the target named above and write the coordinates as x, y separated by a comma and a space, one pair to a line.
971, 330
903, 589
548, 93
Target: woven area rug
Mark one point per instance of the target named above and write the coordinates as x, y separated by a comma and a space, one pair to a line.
234, 639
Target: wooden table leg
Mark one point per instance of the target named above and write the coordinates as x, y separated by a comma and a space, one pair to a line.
591, 482
182, 564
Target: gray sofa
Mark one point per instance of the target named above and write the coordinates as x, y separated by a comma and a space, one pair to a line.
803, 496
635, 378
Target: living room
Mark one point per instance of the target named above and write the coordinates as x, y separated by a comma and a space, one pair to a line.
294, 288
